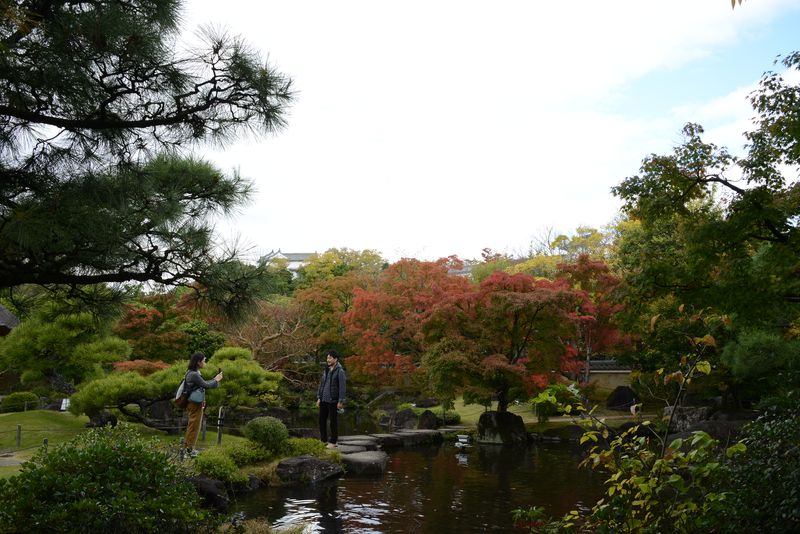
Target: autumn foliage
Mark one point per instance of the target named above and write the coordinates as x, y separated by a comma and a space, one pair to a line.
384, 323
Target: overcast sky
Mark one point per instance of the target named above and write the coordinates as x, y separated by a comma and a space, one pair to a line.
424, 129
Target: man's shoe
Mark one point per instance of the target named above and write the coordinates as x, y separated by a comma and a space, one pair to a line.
330, 446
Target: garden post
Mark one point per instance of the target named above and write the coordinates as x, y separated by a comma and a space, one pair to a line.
220, 421
19, 436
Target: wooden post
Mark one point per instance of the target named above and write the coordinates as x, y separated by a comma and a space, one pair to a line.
19, 436
220, 421
203, 424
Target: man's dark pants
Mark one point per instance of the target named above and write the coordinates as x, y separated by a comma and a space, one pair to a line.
328, 409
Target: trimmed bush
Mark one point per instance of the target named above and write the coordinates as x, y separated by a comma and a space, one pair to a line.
301, 446
232, 353
105, 480
267, 431
215, 463
246, 453
19, 402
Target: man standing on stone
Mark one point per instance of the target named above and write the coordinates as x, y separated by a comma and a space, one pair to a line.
330, 397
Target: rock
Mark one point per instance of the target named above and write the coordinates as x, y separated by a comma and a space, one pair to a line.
306, 470
102, 419
622, 398
426, 403
723, 431
502, 428
366, 463
428, 420
412, 438
686, 418
252, 483
388, 441
349, 448
212, 492
407, 418
367, 444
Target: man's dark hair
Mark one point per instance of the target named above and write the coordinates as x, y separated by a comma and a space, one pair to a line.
195, 359
333, 353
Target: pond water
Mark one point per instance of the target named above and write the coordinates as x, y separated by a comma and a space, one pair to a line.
437, 489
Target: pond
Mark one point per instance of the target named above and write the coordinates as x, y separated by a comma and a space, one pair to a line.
437, 489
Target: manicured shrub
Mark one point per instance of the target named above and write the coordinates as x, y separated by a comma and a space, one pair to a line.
267, 431
232, 353
215, 463
19, 402
105, 480
301, 446
247, 453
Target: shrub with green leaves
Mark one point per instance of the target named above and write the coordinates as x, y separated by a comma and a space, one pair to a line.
268, 432
552, 400
19, 402
302, 446
246, 453
105, 480
765, 480
232, 353
215, 463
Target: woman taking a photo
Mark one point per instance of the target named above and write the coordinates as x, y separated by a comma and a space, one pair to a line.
197, 399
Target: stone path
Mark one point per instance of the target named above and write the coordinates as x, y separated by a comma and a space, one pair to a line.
365, 454
362, 455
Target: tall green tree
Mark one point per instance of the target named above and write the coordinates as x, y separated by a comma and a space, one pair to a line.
701, 236
100, 108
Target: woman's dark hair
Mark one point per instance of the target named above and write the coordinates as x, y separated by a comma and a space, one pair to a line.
195, 360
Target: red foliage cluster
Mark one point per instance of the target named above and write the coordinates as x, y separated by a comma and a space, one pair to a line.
143, 367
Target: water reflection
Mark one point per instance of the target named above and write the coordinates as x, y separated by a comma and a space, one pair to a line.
436, 489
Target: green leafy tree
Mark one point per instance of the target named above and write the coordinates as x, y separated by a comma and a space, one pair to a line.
337, 262
60, 350
98, 182
245, 384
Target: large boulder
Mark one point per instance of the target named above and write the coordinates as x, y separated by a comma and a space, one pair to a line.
686, 418
368, 463
502, 428
622, 398
101, 419
306, 470
428, 420
426, 403
407, 418
212, 493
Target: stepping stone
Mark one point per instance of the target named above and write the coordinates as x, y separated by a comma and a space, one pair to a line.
411, 438
388, 441
368, 463
356, 437
306, 470
348, 448
370, 445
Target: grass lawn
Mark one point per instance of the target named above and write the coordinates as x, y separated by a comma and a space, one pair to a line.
470, 413
61, 427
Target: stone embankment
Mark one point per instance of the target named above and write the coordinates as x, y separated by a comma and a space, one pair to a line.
362, 455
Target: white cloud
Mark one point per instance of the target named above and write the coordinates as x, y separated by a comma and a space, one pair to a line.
432, 128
